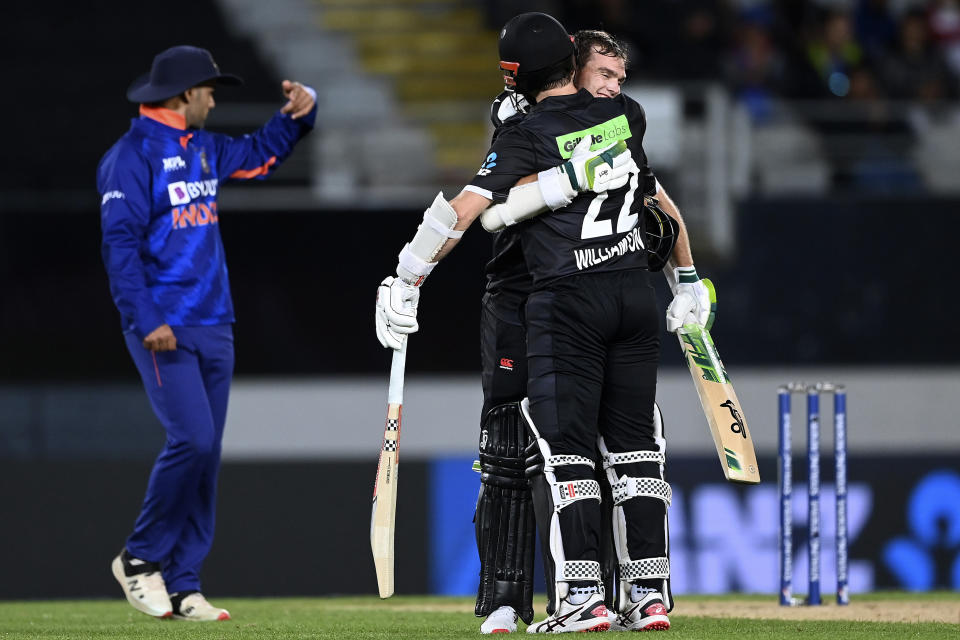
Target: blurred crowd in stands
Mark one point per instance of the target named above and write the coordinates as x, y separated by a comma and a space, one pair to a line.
873, 66
801, 49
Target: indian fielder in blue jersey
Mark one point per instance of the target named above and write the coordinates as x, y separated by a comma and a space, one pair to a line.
168, 277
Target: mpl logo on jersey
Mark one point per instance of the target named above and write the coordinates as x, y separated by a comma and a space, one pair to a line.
183, 192
173, 163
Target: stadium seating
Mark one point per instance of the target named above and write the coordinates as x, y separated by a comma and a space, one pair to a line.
72, 71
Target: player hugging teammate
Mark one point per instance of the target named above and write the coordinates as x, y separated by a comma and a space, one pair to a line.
577, 337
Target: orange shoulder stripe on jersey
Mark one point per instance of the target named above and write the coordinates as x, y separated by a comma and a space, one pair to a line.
164, 116
253, 173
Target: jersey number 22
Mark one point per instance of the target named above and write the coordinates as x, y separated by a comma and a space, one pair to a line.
593, 228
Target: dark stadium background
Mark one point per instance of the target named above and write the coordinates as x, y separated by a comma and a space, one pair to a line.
878, 259
881, 260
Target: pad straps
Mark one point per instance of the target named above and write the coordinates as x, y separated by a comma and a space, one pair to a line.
567, 459
645, 569
629, 457
573, 570
627, 488
567, 492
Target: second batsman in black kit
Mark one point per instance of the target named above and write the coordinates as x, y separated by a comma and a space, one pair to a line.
592, 340
592, 324
504, 510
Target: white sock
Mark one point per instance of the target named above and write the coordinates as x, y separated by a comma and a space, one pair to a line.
638, 593
579, 595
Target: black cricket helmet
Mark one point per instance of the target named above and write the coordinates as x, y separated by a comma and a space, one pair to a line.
660, 232
530, 45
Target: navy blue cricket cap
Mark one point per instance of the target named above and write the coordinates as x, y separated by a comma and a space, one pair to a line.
176, 70
534, 41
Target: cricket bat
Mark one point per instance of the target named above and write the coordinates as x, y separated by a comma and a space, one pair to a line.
383, 517
720, 405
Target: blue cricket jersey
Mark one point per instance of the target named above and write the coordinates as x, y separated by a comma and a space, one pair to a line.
158, 214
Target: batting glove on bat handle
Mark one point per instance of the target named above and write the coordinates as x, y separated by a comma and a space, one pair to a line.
396, 311
691, 300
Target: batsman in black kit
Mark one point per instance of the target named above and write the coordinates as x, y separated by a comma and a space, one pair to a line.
591, 322
504, 517
593, 346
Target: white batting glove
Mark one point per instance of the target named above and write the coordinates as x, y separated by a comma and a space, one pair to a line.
396, 312
604, 169
623, 166
597, 171
691, 299
506, 105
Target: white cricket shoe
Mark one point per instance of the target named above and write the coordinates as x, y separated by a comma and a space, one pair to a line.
143, 585
503, 620
193, 606
588, 616
614, 619
649, 614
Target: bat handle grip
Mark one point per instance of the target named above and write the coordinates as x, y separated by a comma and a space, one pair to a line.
712, 292
395, 391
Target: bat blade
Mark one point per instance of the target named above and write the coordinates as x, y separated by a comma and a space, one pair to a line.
725, 418
384, 510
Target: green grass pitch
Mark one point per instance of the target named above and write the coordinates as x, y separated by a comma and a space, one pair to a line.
417, 617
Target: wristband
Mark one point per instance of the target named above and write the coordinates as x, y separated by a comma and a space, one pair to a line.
555, 187
680, 275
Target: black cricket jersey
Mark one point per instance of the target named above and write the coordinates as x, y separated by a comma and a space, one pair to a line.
596, 232
507, 271
507, 277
